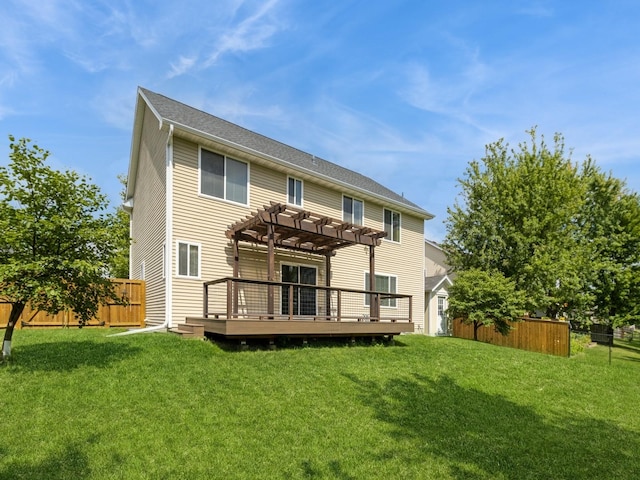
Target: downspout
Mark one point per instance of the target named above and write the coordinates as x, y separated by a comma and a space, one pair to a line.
168, 249
168, 301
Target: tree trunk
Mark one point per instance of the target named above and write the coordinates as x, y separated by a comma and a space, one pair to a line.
475, 330
16, 310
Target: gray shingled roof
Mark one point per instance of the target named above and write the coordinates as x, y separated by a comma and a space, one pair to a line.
432, 282
181, 114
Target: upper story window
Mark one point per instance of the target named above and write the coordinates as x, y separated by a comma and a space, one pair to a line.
223, 177
392, 225
352, 210
294, 191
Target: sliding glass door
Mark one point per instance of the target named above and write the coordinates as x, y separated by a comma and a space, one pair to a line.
304, 298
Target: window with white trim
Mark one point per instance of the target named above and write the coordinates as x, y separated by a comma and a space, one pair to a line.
392, 225
188, 260
384, 283
294, 191
223, 177
352, 210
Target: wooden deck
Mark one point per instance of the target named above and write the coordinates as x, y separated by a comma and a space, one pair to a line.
241, 309
256, 328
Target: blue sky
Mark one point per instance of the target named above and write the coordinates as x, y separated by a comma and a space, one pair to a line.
406, 92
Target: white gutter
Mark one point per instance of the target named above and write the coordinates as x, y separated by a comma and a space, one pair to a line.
168, 300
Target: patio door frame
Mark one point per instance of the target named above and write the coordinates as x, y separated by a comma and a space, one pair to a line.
305, 301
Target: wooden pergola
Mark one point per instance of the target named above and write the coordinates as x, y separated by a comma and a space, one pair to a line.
288, 227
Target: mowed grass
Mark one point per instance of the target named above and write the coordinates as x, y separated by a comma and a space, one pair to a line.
80, 404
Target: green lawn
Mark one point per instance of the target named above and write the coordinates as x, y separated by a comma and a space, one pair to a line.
79, 404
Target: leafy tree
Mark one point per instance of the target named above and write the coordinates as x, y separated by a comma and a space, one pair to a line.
483, 298
119, 267
56, 244
518, 218
611, 228
567, 234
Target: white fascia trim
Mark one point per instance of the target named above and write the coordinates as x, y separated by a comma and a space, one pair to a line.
138, 121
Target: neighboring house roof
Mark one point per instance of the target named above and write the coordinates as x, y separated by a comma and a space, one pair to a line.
433, 283
197, 122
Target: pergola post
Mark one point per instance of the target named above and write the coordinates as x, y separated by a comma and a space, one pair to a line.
271, 268
236, 274
327, 282
374, 304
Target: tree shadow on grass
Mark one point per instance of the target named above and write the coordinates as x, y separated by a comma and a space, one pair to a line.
484, 436
69, 462
632, 347
68, 355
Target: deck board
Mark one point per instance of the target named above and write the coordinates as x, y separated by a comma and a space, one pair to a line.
317, 328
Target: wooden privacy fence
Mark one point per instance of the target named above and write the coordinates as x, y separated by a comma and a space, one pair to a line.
535, 335
110, 315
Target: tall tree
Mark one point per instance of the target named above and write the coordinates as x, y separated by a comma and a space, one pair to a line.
56, 243
517, 218
119, 267
566, 234
611, 229
481, 298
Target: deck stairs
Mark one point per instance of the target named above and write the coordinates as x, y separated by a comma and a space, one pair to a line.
189, 329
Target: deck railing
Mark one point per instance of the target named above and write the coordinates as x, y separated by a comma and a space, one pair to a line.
237, 298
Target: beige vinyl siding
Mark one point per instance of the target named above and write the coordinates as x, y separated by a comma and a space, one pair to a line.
204, 220
431, 306
149, 215
403, 260
435, 261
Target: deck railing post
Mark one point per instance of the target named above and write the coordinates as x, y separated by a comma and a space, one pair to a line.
290, 300
410, 309
205, 300
229, 297
339, 305
375, 307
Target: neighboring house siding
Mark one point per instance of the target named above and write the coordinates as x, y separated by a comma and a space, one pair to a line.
433, 319
435, 260
148, 216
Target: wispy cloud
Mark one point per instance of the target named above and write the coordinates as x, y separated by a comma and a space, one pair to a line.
536, 9
251, 33
183, 65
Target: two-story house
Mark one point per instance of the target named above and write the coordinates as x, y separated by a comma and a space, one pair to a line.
211, 200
